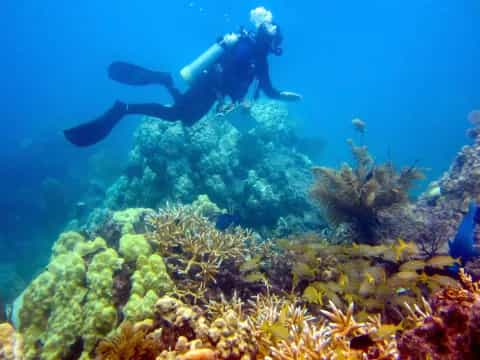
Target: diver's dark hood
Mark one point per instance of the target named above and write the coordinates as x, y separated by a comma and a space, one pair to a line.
270, 43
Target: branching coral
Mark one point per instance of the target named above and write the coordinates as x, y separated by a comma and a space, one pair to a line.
195, 251
356, 195
271, 318
130, 343
266, 327
338, 337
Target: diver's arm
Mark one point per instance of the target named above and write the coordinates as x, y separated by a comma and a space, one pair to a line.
265, 84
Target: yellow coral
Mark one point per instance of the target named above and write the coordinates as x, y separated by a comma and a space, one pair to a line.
194, 249
11, 343
134, 245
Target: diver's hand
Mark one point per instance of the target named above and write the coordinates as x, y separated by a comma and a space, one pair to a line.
290, 96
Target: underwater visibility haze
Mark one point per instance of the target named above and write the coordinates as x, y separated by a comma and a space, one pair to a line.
239, 179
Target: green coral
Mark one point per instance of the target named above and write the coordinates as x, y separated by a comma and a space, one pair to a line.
132, 246
75, 298
127, 218
67, 242
150, 281
90, 247
51, 310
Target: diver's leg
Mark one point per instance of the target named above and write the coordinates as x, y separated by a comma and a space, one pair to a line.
195, 103
188, 108
169, 113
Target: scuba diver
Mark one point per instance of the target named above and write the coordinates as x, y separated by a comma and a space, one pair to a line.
226, 69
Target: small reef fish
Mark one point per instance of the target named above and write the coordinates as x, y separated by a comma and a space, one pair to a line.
255, 277
370, 279
462, 246
251, 264
412, 265
402, 247
445, 281
387, 330
343, 280
441, 261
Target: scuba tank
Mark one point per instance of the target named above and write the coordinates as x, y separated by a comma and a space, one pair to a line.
190, 72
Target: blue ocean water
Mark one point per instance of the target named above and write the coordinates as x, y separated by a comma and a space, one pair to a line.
407, 68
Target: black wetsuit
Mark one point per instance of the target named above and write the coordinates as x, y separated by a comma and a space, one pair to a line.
231, 76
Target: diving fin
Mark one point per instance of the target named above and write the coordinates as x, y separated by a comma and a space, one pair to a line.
131, 74
92, 132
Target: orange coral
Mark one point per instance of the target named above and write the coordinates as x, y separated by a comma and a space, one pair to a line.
199, 354
452, 330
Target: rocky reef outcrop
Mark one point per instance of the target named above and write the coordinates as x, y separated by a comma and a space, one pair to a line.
255, 172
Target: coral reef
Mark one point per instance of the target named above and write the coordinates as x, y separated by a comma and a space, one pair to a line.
130, 343
233, 295
90, 286
435, 217
266, 327
173, 163
169, 284
356, 196
11, 343
199, 257
379, 279
451, 329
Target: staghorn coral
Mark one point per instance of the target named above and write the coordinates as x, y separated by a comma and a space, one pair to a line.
357, 195
196, 252
266, 327
132, 342
450, 329
340, 337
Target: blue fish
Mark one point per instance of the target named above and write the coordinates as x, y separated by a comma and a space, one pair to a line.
224, 221
463, 244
